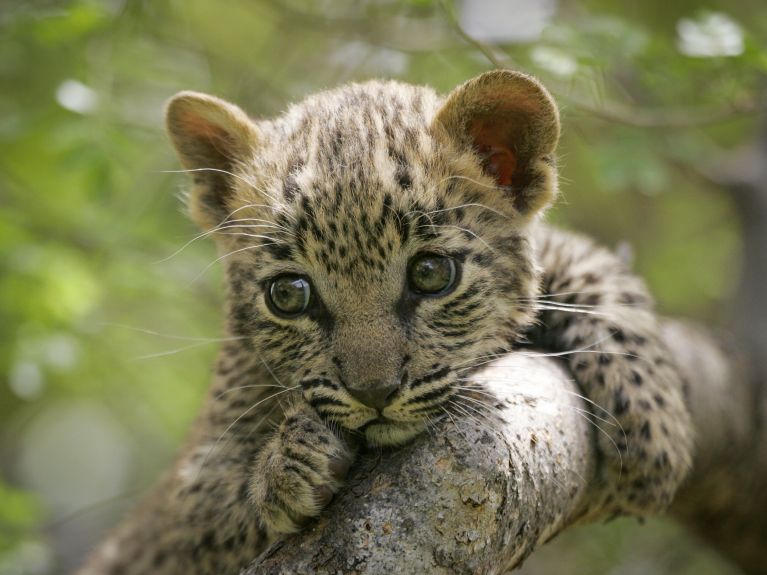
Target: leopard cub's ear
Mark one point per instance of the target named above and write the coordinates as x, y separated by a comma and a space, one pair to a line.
212, 137
511, 123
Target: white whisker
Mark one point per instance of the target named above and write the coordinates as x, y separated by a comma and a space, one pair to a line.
172, 351
472, 180
468, 231
218, 259
471, 205
249, 183
243, 414
253, 386
172, 336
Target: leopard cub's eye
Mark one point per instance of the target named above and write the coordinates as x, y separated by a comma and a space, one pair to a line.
431, 274
288, 295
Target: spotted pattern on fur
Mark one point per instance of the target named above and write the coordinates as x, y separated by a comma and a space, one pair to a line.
344, 189
623, 367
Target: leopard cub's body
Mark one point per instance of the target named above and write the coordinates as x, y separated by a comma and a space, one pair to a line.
380, 242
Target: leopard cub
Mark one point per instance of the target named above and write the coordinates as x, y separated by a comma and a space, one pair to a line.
381, 242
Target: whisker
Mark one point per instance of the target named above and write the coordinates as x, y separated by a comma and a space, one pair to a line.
470, 205
573, 310
586, 349
468, 179
488, 412
607, 435
260, 220
557, 303
431, 427
231, 425
549, 297
239, 387
468, 231
489, 408
484, 423
599, 407
223, 225
173, 351
574, 351
186, 245
590, 414
247, 235
228, 173
562, 293
265, 417
490, 359
172, 336
488, 355
271, 372
218, 259
249, 225
455, 424
478, 390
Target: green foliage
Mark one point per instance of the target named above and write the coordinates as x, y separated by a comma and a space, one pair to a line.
19, 513
90, 281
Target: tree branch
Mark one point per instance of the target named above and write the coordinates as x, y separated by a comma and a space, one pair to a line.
480, 494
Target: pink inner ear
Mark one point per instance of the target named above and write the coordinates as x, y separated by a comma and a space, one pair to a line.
498, 159
499, 163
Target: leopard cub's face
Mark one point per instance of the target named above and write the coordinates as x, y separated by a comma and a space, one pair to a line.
374, 237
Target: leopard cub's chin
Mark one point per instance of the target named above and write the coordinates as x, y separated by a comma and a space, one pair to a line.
391, 433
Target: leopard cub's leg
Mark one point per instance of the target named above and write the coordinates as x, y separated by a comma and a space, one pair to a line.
601, 316
297, 472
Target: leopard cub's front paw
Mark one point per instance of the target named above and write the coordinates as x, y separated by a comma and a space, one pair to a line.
297, 472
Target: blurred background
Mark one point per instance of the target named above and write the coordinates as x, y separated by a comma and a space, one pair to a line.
108, 328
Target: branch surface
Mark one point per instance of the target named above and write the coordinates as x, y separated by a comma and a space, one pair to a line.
479, 494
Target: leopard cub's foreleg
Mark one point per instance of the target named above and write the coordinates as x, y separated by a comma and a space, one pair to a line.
297, 471
601, 316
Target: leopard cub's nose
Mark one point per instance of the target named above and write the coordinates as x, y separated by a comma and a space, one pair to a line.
376, 394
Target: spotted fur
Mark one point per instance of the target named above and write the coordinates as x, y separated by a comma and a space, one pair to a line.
345, 189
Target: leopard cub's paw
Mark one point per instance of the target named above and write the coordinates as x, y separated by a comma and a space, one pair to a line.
297, 473
648, 456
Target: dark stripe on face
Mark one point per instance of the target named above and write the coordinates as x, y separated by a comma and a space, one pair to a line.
321, 401
319, 382
456, 332
451, 322
430, 377
279, 250
428, 409
471, 291
462, 311
435, 394
431, 398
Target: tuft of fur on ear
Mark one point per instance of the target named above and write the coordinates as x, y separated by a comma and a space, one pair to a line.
511, 123
212, 137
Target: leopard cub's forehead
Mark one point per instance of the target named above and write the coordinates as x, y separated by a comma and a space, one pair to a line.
353, 145
351, 173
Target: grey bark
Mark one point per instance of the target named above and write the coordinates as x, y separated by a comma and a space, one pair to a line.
480, 494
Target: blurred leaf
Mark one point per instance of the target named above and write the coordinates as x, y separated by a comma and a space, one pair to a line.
87, 210
19, 514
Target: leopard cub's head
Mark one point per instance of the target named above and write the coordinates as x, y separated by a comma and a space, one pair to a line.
374, 236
